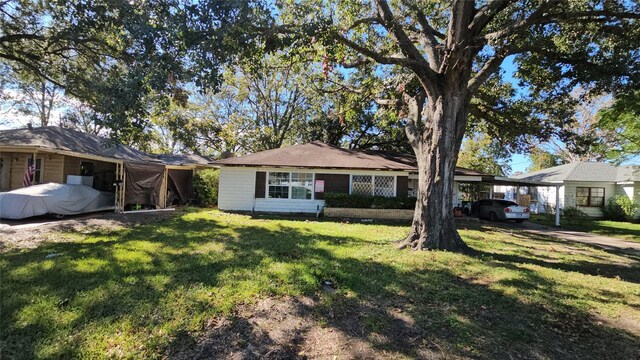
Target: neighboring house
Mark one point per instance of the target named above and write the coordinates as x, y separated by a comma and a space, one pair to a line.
65, 155
585, 185
294, 179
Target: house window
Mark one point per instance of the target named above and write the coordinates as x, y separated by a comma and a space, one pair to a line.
384, 186
301, 185
362, 184
373, 185
37, 175
285, 185
590, 196
279, 185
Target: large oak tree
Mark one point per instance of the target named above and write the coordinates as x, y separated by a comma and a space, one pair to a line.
449, 49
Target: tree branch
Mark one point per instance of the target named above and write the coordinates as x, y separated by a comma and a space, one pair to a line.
486, 13
428, 77
377, 57
402, 39
431, 43
369, 20
18, 37
31, 67
491, 66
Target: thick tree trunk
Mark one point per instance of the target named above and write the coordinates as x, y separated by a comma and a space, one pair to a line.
436, 149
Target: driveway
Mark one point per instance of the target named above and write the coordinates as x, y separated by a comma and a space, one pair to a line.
30, 233
604, 242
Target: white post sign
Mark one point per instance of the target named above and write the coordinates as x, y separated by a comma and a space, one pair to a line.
319, 186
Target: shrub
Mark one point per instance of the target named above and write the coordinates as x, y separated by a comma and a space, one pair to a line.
573, 215
340, 200
205, 187
620, 208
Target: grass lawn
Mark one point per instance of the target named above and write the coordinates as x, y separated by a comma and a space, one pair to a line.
620, 229
147, 291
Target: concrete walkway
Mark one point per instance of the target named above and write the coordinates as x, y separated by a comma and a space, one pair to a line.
605, 242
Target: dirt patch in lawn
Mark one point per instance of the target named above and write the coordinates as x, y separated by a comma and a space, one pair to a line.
301, 328
32, 233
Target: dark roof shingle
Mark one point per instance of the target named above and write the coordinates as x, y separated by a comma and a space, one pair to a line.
57, 138
319, 155
54, 137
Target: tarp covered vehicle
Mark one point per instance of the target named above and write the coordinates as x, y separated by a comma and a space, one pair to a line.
53, 198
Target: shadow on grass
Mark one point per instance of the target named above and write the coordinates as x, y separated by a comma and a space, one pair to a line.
167, 275
625, 230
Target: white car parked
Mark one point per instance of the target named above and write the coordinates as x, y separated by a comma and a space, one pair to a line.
498, 209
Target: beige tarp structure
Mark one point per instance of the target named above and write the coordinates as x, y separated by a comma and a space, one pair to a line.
143, 183
181, 184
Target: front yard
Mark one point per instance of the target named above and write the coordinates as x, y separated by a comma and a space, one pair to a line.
620, 229
206, 284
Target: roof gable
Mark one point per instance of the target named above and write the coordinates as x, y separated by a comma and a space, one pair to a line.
582, 171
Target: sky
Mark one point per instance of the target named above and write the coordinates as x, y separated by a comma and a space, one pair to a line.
518, 163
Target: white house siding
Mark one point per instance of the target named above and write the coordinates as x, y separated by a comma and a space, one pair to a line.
570, 195
625, 190
545, 195
237, 189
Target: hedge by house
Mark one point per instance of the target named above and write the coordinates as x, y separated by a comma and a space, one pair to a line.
339, 200
620, 208
205, 186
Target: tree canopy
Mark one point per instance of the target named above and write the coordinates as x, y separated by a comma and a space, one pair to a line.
116, 56
446, 55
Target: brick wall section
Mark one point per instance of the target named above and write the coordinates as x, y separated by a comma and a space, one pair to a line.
387, 214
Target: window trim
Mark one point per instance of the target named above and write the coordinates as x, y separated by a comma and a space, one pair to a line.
373, 183
313, 182
38, 172
589, 197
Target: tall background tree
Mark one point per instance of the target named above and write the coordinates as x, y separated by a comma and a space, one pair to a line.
446, 53
623, 119
482, 153
120, 57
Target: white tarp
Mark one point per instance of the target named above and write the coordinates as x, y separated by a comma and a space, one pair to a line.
53, 198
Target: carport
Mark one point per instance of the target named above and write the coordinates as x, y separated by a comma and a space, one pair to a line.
135, 177
501, 180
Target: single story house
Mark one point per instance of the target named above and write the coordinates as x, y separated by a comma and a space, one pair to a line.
68, 156
585, 185
294, 179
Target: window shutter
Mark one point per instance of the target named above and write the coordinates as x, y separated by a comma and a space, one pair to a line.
261, 182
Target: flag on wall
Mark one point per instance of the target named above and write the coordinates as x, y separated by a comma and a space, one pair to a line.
29, 172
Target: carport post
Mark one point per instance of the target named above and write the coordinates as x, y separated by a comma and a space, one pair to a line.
558, 206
